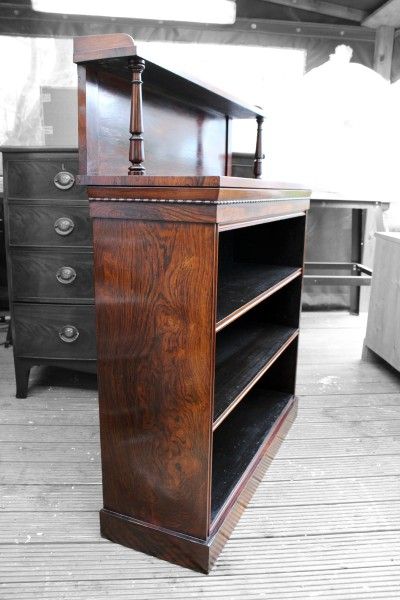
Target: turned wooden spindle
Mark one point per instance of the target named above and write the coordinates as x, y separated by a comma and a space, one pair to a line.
258, 156
136, 144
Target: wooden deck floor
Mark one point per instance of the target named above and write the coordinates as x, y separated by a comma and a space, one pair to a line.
325, 522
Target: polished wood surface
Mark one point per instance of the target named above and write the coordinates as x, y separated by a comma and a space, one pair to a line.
136, 146
34, 173
240, 438
3, 267
196, 370
191, 552
34, 224
155, 306
193, 116
258, 156
119, 47
49, 243
218, 183
167, 379
52, 275
39, 329
244, 353
244, 285
196, 139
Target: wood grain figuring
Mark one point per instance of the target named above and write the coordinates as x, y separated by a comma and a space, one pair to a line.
220, 182
36, 276
162, 242
48, 243
32, 224
92, 47
108, 109
227, 215
37, 328
32, 176
155, 287
187, 551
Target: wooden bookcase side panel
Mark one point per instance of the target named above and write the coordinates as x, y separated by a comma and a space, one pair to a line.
155, 306
197, 139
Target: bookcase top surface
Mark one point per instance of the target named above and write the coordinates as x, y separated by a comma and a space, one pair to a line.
110, 51
208, 181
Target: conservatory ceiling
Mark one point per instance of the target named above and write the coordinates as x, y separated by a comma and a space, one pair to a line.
18, 18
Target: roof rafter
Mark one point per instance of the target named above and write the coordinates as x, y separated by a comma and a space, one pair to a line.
325, 8
387, 14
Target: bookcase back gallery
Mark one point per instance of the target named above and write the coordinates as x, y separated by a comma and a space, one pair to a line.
172, 125
197, 293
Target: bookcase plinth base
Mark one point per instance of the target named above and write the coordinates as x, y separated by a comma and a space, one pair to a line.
183, 550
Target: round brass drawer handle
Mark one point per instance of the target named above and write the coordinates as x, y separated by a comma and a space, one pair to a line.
66, 275
68, 333
64, 226
64, 180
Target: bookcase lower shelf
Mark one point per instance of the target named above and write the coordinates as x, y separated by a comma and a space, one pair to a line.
264, 442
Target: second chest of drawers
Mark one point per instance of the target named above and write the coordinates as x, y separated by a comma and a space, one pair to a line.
49, 258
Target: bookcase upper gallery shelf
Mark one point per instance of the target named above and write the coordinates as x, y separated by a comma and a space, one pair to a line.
113, 50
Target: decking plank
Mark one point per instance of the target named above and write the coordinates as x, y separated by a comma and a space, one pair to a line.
323, 523
282, 521
93, 561
351, 584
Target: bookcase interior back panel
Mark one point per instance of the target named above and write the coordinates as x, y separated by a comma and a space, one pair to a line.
195, 139
254, 262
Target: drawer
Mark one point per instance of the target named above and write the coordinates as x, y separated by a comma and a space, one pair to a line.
52, 275
43, 175
49, 224
54, 331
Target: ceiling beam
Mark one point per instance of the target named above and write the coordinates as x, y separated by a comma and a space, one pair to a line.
325, 8
16, 19
384, 38
387, 14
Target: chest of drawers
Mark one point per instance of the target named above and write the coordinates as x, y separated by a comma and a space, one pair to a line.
49, 262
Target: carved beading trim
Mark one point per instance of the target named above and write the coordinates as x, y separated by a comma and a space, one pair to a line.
213, 202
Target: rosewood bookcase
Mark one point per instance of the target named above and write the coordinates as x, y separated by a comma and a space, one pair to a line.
197, 292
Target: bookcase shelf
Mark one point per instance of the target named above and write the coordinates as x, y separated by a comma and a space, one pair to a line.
249, 427
197, 294
240, 438
242, 356
244, 285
